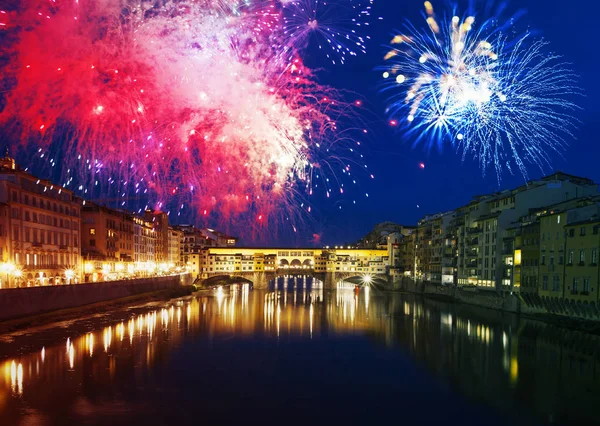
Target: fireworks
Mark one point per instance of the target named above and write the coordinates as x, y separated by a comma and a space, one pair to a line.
337, 26
504, 101
176, 101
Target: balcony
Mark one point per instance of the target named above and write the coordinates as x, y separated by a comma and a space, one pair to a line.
36, 244
473, 242
472, 231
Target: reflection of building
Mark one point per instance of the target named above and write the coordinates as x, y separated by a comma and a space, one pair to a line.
39, 230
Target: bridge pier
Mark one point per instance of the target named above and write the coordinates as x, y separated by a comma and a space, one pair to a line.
260, 280
329, 283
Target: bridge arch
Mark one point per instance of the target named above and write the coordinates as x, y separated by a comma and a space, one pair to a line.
216, 280
296, 264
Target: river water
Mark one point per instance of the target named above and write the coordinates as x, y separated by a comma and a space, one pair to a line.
299, 356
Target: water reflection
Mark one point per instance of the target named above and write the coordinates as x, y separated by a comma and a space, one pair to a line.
514, 366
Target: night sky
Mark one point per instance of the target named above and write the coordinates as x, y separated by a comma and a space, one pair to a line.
403, 191
446, 182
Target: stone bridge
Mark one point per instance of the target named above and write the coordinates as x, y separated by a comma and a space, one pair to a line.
261, 280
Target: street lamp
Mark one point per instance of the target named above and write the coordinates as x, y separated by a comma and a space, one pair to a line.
367, 279
69, 275
17, 273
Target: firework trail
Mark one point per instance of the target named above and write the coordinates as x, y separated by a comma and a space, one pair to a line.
502, 100
180, 102
336, 26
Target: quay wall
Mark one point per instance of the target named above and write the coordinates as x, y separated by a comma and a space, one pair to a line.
530, 304
21, 302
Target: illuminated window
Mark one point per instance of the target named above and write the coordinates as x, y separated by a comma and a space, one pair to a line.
517, 257
92, 231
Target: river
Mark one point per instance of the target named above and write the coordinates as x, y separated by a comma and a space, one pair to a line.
299, 355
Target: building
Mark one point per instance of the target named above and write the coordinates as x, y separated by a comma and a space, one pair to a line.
435, 248
107, 243
144, 246
40, 227
227, 261
496, 241
160, 224
485, 258
175, 241
582, 242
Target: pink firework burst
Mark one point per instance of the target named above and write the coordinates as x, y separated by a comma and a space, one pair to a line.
181, 102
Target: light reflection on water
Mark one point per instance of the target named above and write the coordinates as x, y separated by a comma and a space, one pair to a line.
522, 366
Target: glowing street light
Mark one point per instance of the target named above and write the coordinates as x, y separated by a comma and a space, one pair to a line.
69, 275
367, 279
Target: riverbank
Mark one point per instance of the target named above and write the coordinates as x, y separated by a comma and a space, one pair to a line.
28, 301
69, 314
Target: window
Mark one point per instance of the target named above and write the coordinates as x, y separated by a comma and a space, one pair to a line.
594, 256
558, 219
545, 282
561, 259
582, 231
543, 260
586, 286
574, 288
92, 231
596, 230
582, 256
556, 283
570, 258
571, 232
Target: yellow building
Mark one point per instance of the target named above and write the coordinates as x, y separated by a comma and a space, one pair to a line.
581, 272
228, 260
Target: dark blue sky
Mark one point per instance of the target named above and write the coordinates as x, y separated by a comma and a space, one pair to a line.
446, 182
402, 191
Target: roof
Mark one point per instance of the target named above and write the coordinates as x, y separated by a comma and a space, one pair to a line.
582, 222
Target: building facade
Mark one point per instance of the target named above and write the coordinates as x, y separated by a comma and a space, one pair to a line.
501, 241
40, 225
106, 243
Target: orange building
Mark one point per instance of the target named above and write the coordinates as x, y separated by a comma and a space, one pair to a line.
106, 243
39, 230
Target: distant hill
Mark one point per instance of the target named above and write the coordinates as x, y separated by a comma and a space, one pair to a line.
379, 234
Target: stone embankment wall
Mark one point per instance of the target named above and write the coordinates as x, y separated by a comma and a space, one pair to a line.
471, 296
20, 302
